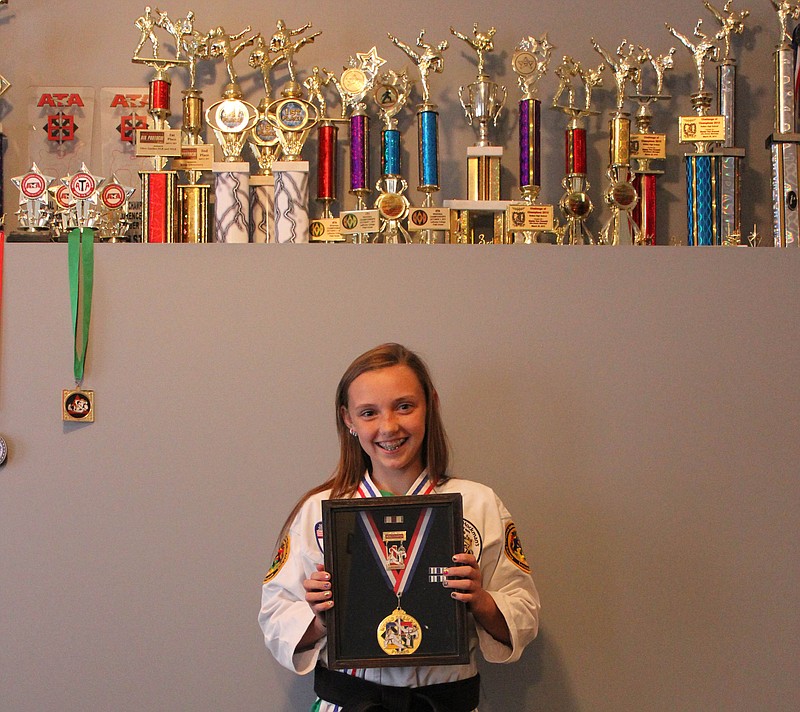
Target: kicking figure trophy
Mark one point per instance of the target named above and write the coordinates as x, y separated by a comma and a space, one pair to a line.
704, 130
620, 195
292, 117
429, 59
159, 192
647, 147
575, 204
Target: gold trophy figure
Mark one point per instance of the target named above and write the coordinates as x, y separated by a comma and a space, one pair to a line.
575, 204
621, 196
702, 52
263, 138
284, 47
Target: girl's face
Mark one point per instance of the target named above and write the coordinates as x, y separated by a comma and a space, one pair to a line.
386, 408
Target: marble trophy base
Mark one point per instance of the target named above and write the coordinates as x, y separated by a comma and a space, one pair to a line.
232, 201
262, 209
478, 222
291, 201
483, 172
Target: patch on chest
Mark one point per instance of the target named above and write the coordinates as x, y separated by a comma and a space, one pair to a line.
473, 543
280, 559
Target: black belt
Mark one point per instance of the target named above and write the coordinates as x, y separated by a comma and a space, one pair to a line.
355, 694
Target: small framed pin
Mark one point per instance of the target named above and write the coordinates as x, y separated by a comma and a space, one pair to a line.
77, 406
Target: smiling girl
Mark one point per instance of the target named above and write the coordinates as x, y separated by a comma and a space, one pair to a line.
392, 442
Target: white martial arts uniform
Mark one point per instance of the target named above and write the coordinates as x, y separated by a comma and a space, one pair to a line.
489, 534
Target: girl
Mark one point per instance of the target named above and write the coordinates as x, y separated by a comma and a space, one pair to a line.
392, 442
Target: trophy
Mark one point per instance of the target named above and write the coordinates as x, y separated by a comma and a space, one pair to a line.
704, 130
785, 140
34, 215
5, 85
647, 146
355, 83
231, 118
196, 156
429, 59
481, 218
292, 117
114, 218
730, 158
327, 227
266, 149
620, 196
391, 94
159, 216
575, 204
530, 61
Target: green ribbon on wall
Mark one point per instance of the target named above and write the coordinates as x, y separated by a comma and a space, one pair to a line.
81, 281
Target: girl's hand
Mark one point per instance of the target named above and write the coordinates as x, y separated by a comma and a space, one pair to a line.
318, 592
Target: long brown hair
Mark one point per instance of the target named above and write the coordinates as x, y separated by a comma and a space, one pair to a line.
353, 461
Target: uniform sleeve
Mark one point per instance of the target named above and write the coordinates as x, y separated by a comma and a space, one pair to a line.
507, 577
285, 615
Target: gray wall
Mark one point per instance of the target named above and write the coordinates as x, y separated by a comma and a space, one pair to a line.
636, 409
90, 44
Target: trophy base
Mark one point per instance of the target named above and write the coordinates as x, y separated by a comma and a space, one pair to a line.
159, 216
30, 236
478, 222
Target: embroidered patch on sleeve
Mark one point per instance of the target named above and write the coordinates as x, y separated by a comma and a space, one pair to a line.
280, 559
473, 542
514, 549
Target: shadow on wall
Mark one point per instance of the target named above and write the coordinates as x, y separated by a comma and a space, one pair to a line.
538, 682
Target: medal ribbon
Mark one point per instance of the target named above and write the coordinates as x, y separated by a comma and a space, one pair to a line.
398, 580
81, 281
367, 487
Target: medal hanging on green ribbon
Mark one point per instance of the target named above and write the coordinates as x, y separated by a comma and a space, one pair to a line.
78, 402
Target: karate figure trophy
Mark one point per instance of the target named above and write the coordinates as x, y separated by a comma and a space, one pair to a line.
390, 95
196, 156
266, 148
647, 147
231, 119
729, 163
430, 59
620, 196
159, 194
355, 83
575, 204
480, 218
292, 117
704, 130
530, 61
784, 142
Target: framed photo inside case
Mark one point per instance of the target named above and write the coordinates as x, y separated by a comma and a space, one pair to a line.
386, 557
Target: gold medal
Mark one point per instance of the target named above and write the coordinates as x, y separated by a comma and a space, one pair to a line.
399, 633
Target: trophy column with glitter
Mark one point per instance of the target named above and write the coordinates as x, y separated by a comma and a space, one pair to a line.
196, 156
784, 143
292, 117
575, 204
620, 195
730, 158
356, 82
232, 118
159, 193
530, 61
390, 95
704, 130
429, 59
647, 147
481, 218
